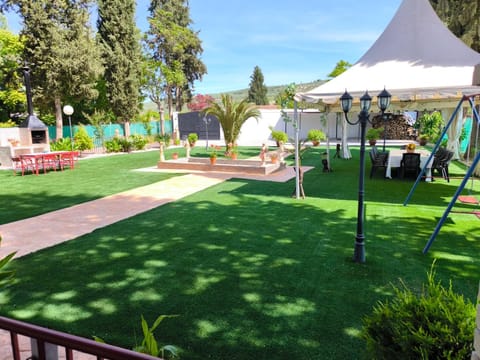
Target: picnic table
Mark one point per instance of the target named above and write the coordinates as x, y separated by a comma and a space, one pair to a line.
47, 161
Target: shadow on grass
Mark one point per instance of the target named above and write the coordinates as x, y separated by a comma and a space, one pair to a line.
252, 273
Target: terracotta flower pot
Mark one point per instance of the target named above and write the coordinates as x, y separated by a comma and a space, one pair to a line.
175, 156
213, 160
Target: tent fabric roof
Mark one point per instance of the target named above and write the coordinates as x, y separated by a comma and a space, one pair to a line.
416, 57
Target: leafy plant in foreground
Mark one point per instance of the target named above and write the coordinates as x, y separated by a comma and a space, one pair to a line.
149, 344
6, 275
435, 324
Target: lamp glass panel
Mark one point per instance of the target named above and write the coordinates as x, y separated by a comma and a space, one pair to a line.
346, 101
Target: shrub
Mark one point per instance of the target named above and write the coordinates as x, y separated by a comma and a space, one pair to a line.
316, 135
192, 138
430, 125
63, 144
81, 140
279, 136
165, 138
374, 133
114, 145
138, 142
435, 324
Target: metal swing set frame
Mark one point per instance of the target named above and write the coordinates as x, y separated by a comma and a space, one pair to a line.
468, 175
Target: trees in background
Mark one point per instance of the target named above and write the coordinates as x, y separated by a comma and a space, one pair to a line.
200, 102
340, 68
462, 18
257, 92
12, 99
173, 50
60, 49
119, 41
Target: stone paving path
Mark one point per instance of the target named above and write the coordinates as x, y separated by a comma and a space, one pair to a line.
33, 234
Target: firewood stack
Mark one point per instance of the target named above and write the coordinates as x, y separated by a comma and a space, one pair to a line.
396, 127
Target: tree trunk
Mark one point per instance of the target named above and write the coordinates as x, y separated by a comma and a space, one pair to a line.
168, 91
126, 128
162, 118
178, 97
58, 118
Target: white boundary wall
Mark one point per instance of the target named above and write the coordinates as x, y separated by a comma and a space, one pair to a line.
254, 133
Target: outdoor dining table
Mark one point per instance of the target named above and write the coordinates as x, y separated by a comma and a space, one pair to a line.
54, 158
395, 157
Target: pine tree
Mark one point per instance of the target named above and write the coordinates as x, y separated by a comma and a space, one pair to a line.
61, 52
120, 45
257, 92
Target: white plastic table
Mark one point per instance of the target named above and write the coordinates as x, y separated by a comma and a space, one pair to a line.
395, 157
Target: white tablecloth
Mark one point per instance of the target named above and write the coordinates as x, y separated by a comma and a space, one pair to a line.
395, 157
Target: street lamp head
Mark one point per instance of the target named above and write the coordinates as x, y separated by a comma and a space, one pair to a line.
365, 102
68, 110
384, 100
346, 101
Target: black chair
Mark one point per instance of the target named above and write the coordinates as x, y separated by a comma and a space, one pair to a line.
379, 160
440, 162
410, 164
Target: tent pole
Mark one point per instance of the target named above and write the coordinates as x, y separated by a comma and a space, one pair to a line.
297, 157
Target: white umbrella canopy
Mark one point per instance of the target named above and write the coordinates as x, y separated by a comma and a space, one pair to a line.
417, 59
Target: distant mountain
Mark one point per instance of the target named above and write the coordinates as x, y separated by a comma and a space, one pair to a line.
272, 93
239, 95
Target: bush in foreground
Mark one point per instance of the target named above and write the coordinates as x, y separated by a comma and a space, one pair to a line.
435, 324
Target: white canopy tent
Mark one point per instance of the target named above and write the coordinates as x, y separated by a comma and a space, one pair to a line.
418, 60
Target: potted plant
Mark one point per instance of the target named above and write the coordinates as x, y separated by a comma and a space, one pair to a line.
315, 136
279, 136
192, 139
423, 140
233, 153
175, 156
429, 126
213, 154
273, 157
373, 134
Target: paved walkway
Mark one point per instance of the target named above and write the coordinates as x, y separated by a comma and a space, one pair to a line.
29, 235
33, 234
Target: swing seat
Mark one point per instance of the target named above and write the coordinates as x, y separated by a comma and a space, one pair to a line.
468, 200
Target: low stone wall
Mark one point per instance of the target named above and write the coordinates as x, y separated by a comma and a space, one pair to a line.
476, 341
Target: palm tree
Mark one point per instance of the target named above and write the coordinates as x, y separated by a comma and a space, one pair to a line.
231, 116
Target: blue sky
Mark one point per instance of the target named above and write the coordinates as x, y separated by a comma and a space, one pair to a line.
291, 41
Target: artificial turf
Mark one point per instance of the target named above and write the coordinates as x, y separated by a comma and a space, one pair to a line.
251, 272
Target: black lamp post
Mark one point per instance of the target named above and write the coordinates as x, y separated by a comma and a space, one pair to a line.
363, 117
383, 102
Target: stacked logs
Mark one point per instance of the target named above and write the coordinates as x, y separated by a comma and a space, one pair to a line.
396, 127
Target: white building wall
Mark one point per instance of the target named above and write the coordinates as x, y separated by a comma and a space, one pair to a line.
254, 133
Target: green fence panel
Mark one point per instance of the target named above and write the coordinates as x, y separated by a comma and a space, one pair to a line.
109, 130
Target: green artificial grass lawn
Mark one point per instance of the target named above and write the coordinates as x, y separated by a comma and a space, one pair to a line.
251, 272
30, 195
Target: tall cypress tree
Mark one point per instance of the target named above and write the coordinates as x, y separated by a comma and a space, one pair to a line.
257, 92
61, 52
119, 39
